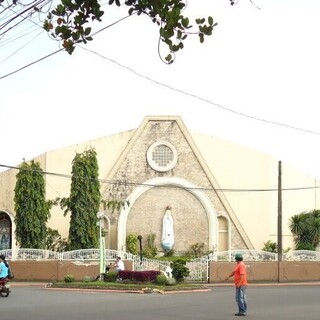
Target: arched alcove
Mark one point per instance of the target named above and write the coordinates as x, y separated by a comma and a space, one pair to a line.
6, 232
169, 181
224, 234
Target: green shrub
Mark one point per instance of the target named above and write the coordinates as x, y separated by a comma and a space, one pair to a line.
86, 279
54, 241
162, 280
111, 276
68, 278
270, 246
150, 253
196, 250
171, 281
179, 270
132, 243
305, 246
169, 253
151, 250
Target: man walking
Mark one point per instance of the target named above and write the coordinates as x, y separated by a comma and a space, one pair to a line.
240, 282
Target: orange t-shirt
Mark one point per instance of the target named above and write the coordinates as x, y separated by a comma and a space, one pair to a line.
238, 271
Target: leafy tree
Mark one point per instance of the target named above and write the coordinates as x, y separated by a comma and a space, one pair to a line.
70, 21
132, 243
306, 229
196, 250
32, 209
179, 269
54, 241
84, 201
151, 250
270, 246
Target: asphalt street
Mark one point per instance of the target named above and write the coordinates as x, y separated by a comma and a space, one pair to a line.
275, 302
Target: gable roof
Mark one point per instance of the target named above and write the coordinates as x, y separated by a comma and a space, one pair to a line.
210, 175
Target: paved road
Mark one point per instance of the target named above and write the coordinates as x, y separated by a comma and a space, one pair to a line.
275, 302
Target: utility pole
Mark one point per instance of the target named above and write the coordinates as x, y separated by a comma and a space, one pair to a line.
279, 218
102, 262
141, 252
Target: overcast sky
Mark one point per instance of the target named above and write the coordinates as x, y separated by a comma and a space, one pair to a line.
254, 82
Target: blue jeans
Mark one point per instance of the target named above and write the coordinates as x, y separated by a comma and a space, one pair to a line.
241, 299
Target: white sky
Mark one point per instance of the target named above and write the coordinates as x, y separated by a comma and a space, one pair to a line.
262, 63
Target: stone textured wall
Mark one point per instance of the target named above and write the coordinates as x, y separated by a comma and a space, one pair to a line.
189, 218
145, 217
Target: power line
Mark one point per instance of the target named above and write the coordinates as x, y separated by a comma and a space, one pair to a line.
30, 64
19, 35
168, 86
126, 183
29, 9
49, 55
200, 98
16, 51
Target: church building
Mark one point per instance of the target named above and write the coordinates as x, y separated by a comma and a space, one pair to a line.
183, 187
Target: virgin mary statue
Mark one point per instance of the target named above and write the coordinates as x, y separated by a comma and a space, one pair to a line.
167, 239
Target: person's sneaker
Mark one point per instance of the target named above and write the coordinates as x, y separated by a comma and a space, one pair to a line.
240, 314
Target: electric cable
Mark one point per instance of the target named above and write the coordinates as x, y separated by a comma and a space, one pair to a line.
168, 186
201, 98
30, 64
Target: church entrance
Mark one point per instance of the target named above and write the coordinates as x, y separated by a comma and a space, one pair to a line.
5, 231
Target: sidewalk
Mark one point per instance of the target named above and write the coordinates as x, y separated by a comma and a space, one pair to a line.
269, 284
27, 284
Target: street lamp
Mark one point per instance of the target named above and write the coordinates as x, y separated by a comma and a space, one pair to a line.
140, 245
100, 216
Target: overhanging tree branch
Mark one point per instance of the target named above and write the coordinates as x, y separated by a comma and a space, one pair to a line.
70, 22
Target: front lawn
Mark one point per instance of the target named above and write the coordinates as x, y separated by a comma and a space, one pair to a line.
128, 286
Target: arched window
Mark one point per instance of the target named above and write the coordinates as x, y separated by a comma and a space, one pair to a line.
223, 234
5, 231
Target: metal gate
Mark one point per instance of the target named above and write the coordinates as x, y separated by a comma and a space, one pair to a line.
198, 268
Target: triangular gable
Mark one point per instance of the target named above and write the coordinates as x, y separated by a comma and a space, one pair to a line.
136, 136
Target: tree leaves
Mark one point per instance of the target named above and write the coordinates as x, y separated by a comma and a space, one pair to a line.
32, 209
83, 202
305, 227
72, 18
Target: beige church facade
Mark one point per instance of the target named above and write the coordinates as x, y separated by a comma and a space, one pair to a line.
217, 193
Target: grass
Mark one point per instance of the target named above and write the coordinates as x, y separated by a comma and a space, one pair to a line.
127, 286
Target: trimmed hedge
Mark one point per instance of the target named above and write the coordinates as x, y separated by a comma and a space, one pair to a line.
139, 276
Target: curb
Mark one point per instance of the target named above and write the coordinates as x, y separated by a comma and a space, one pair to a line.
268, 284
143, 291
209, 287
28, 284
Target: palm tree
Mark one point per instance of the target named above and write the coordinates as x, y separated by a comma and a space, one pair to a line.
315, 226
306, 229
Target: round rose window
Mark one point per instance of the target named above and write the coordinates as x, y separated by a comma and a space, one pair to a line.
162, 156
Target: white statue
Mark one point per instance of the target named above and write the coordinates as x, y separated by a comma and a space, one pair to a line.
167, 239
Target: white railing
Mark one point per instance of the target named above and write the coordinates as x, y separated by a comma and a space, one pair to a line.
30, 254
84, 254
248, 255
149, 264
302, 255
94, 254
